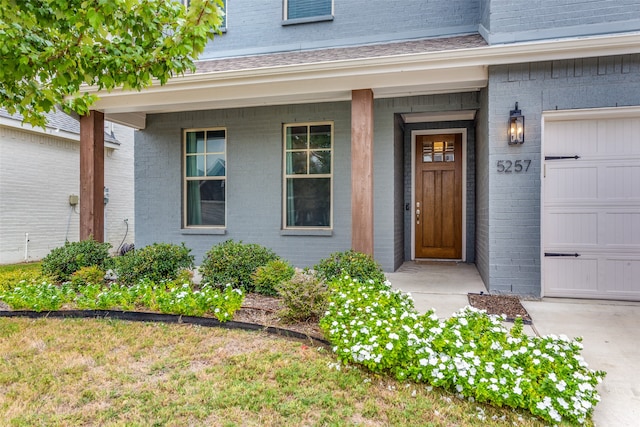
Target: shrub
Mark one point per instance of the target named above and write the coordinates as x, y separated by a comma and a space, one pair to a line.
358, 266
38, 296
93, 275
156, 262
166, 297
233, 263
472, 354
13, 278
62, 262
267, 277
304, 296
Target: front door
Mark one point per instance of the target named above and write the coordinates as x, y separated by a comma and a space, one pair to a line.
438, 200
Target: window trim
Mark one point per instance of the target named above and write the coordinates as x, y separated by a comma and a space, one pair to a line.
185, 180
292, 21
306, 230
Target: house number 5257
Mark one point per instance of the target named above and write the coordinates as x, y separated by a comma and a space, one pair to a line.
513, 166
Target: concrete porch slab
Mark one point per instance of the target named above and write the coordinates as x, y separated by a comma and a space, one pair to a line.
442, 286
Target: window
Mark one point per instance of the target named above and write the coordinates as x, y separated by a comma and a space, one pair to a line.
301, 9
223, 25
307, 177
205, 175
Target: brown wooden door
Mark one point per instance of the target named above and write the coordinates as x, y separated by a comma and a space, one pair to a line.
438, 208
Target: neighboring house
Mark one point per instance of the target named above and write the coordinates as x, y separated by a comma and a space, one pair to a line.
316, 126
39, 186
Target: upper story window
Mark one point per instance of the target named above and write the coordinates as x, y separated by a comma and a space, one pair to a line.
205, 177
308, 150
299, 11
223, 26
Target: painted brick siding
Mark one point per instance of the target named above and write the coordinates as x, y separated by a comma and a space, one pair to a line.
255, 26
254, 180
37, 175
398, 192
513, 225
482, 188
521, 20
387, 217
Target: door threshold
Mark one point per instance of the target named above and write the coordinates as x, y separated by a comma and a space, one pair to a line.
437, 261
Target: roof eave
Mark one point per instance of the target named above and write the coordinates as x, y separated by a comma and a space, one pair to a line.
450, 70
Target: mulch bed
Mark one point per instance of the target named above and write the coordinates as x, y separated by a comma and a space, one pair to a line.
264, 310
509, 305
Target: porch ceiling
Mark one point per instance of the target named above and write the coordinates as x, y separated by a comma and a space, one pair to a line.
418, 67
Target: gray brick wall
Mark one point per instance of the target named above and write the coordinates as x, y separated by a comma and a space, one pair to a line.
255, 26
398, 202
520, 20
389, 219
483, 262
511, 260
254, 180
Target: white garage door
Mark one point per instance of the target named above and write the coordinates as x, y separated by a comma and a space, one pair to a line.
591, 208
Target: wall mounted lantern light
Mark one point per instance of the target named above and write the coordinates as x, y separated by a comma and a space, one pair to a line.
516, 127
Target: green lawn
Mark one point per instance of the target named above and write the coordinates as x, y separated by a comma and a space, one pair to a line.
101, 372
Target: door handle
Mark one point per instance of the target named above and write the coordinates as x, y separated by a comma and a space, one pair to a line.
418, 213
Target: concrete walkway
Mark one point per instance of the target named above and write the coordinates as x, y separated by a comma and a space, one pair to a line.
610, 329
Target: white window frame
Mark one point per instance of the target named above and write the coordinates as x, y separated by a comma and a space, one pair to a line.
186, 179
286, 176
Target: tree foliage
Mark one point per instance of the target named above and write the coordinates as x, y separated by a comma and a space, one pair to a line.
49, 49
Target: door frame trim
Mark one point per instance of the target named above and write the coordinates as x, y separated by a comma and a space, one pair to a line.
414, 133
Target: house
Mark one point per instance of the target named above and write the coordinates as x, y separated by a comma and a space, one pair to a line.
39, 186
500, 133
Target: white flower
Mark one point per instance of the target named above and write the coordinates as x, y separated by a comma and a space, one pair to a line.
563, 403
389, 346
393, 336
423, 362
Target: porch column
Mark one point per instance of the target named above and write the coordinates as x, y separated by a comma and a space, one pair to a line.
362, 171
92, 176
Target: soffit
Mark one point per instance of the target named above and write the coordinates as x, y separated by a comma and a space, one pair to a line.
417, 67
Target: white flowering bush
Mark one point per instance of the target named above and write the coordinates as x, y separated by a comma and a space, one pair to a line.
471, 353
170, 297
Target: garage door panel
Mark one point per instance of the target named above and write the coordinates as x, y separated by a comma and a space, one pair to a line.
571, 274
591, 207
571, 182
618, 136
571, 228
623, 230
622, 182
621, 275
568, 137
